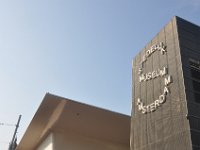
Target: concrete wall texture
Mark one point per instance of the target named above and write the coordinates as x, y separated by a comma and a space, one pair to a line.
189, 41
166, 104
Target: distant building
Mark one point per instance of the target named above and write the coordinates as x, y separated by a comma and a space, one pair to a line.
63, 124
166, 90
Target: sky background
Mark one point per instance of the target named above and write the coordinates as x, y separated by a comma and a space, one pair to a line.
78, 49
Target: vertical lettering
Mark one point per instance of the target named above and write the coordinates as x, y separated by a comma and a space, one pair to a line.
141, 77
168, 80
140, 107
139, 70
153, 74
143, 59
148, 76
157, 103
163, 72
162, 48
166, 90
144, 111
153, 48
138, 101
148, 52
152, 107
162, 98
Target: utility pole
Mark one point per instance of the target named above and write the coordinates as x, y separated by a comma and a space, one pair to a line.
13, 145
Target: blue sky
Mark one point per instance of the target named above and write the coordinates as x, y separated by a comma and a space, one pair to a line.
78, 49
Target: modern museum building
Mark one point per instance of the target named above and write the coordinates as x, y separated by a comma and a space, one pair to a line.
165, 104
166, 90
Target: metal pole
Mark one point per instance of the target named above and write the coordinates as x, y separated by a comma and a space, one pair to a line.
11, 146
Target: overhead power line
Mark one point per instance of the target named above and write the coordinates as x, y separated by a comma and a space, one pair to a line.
6, 124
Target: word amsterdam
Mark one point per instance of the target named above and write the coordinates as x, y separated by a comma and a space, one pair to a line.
144, 77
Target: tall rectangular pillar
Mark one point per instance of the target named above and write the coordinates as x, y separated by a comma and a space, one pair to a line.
166, 90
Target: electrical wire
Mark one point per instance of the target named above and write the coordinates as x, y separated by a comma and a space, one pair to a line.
6, 124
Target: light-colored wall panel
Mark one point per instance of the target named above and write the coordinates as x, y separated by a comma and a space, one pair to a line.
78, 142
47, 144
